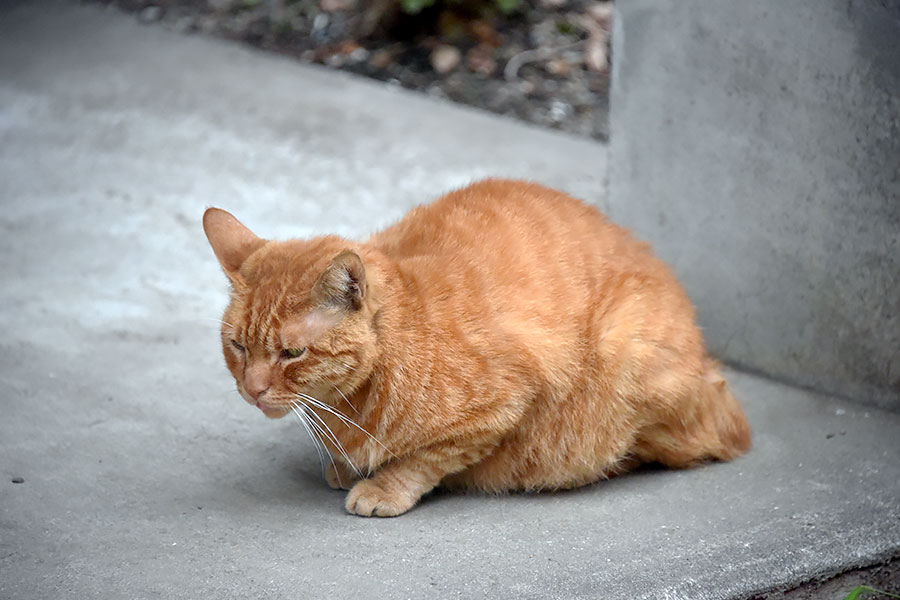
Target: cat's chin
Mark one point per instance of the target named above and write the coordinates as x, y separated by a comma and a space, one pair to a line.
273, 412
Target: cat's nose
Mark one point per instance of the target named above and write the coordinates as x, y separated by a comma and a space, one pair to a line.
255, 392
256, 382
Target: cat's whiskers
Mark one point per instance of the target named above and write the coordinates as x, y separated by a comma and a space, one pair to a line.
315, 432
330, 455
326, 430
327, 381
216, 320
347, 420
316, 442
320, 434
338, 390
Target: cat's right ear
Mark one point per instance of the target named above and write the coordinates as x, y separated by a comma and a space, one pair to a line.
230, 240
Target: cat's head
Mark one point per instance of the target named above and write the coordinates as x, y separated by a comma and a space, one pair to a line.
301, 318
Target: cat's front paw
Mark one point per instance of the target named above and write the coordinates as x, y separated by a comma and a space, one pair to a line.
368, 499
339, 478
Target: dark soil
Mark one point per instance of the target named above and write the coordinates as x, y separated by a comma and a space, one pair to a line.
545, 63
884, 577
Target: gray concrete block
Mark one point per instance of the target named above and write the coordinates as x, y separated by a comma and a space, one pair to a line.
757, 146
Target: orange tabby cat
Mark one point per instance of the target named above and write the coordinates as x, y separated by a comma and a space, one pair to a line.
505, 337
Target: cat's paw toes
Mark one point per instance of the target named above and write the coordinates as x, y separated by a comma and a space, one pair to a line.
338, 478
368, 499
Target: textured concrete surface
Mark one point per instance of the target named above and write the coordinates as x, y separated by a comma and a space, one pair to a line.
145, 475
757, 144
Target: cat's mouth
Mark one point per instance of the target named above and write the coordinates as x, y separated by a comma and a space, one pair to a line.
273, 412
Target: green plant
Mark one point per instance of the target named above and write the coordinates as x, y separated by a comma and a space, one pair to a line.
858, 590
413, 7
507, 6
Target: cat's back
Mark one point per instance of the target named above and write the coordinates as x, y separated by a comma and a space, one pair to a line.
530, 256
500, 220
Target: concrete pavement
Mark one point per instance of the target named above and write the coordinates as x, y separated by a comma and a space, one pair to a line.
144, 473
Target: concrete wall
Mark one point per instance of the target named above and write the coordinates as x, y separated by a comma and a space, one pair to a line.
757, 146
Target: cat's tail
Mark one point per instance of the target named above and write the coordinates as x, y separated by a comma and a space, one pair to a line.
708, 425
728, 416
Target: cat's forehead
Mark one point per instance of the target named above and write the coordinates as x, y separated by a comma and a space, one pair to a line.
273, 319
282, 264
273, 301
304, 328
291, 264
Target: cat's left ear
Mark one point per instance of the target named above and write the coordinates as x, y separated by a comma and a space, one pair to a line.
232, 242
343, 284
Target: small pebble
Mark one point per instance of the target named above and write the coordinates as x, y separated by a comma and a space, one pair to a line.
829, 436
359, 55
335, 60
559, 111
320, 22
18, 480
445, 58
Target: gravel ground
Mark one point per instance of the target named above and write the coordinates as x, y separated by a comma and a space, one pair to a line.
545, 63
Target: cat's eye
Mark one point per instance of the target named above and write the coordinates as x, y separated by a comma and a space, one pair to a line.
292, 352
237, 346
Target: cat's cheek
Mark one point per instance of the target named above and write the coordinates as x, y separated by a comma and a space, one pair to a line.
290, 375
232, 361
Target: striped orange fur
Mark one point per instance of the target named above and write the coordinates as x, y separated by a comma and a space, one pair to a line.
505, 337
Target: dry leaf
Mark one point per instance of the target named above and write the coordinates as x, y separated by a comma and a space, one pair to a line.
596, 54
597, 20
601, 13
337, 5
348, 47
381, 59
485, 33
480, 59
558, 66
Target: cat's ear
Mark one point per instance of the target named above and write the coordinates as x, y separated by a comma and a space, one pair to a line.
230, 240
343, 284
